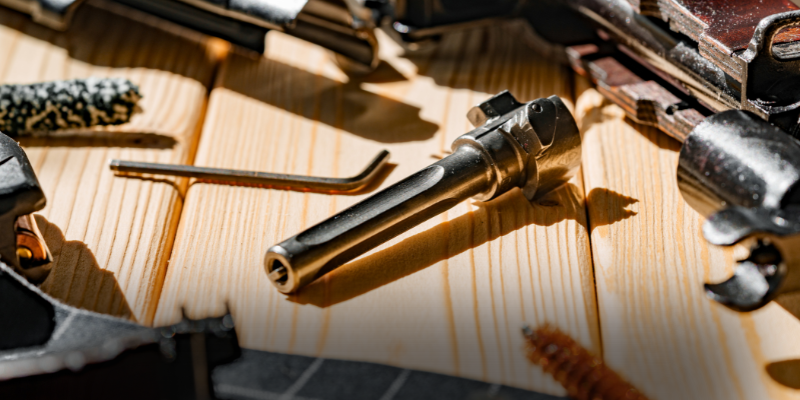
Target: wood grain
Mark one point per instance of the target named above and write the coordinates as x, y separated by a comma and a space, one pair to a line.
449, 296
110, 236
659, 330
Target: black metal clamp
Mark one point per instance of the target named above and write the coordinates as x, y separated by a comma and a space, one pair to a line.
745, 174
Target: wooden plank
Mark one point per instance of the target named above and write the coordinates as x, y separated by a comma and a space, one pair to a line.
449, 296
659, 329
111, 236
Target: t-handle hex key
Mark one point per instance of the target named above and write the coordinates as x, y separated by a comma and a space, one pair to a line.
534, 146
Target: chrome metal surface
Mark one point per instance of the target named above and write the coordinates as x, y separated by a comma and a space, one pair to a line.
756, 280
533, 146
230, 176
745, 174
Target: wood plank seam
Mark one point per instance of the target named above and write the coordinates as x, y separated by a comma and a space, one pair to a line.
86, 202
466, 279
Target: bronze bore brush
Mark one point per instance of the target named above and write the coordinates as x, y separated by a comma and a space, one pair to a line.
584, 376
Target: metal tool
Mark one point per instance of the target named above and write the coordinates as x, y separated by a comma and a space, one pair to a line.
533, 146
230, 176
745, 174
21, 243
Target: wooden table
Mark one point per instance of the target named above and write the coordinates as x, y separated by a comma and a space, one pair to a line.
615, 258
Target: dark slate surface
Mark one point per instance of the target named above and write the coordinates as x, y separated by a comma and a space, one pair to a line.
265, 375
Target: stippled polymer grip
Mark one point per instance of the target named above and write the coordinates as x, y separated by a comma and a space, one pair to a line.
73, 104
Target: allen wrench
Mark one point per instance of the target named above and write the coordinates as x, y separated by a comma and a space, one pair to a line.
282, 181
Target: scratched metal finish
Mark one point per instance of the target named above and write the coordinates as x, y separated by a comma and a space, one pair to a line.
732, 22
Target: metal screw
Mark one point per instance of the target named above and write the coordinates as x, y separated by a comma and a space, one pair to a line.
24, 253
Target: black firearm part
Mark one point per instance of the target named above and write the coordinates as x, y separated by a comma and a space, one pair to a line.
66, 105
21, 243
416, 22
343, 26
671, 63
49, 350
534, 146
744, 173
723, 81
723, 56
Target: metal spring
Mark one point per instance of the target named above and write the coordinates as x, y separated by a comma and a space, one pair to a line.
584, 376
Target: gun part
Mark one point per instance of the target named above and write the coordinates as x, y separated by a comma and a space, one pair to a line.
657, 59
342, 26
673, 65
72, 104
21, 243
745, 174
534, 146
229, 176
51, 350
416, 22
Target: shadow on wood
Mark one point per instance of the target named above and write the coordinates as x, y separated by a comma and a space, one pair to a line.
489, 60
384, 73
100, 139
488, 222
101, 37
607, 207
655, 136
785, 372
308, 95
77, 279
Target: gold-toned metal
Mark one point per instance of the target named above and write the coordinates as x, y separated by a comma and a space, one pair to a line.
32, 251
24, 253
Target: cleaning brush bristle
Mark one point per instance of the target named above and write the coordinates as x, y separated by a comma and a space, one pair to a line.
584, 376
62, 105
